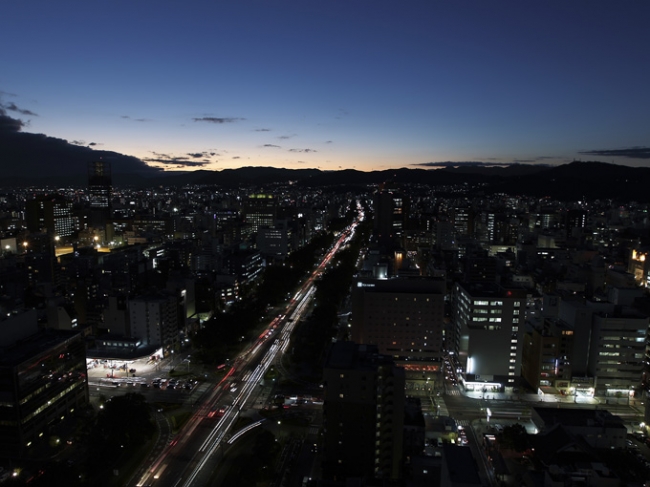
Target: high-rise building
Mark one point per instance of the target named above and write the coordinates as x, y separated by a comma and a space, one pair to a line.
260, 210
618, 350
100, 187
546, 357
463, 220
154, 320
42, 381
363, 414
403, 317
391, 210
52, 214
487, 332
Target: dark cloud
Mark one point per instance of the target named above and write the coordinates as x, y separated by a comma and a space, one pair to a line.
302, 150
78, 142
178, 161
285, 137
185, 160
93, 144
218, 120
204, 154
271, 145
25, 155
12, 107
236, 157
637, 152
9, 124
262, 130
328, 142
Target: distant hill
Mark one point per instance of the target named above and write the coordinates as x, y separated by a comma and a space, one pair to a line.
28, 159
578, 180
568, 182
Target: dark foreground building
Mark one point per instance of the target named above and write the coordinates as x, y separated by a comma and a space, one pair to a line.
43, 380
364, 414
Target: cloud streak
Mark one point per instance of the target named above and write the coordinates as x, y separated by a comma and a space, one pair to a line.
303, 150
178, 161
126, 117
636, 152
218, 120
12, 107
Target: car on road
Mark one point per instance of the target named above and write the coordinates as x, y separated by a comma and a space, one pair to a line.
218, 411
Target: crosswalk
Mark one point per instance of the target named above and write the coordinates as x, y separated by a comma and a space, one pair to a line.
452, 392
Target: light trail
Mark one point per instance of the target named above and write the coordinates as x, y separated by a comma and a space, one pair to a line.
283, 326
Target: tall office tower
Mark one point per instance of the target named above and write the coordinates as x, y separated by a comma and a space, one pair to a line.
403, 317
260, 210
487, 334
546, 218
444, 236
576, 219
391, 214
100, 186
463, 220
52, 214
363, 414
486, 226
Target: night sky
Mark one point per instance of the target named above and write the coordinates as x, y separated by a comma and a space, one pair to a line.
332, 84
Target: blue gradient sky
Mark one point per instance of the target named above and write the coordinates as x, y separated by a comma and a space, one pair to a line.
333, 84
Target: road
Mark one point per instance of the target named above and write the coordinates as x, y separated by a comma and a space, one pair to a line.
191, 457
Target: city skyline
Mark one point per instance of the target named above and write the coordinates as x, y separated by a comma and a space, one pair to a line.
336, 85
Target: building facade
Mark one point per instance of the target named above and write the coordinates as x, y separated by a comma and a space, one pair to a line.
486, 335
43, 380
363, 414
154, 320
617, 352
403, 317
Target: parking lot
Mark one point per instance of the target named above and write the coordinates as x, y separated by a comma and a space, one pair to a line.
142, 373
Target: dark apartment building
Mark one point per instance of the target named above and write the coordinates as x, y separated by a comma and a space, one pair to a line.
363, 414
43, 381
